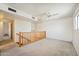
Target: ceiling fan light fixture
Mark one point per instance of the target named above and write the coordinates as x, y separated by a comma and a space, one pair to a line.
55, 14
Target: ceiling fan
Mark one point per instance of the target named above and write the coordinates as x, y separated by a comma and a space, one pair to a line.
50, 14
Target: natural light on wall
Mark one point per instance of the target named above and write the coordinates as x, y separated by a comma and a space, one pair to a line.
76, 22
1, 17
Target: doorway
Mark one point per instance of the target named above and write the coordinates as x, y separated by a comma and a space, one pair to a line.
6, 32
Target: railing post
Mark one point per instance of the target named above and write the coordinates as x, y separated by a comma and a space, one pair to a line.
19, 38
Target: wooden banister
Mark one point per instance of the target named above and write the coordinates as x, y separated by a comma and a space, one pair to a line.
21, 38
29, 37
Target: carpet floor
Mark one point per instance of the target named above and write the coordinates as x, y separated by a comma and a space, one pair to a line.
45, 47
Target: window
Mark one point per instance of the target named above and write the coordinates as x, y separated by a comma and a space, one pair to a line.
77, 22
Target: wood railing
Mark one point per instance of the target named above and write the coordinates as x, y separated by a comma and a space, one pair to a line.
22, 39
29, 37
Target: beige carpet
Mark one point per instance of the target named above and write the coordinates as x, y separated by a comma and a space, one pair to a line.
46, 47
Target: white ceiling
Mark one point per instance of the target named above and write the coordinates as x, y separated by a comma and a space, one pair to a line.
55, 10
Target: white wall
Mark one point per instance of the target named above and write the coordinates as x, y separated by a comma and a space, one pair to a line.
60, 29
22, 26
76, 33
